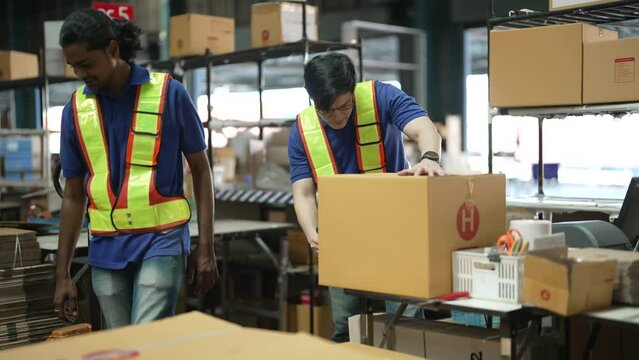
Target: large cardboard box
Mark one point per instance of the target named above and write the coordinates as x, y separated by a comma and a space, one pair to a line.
188, 336
275, 23
15, 65
395, 234
571, 4
568, 284
540, 66
610, 71
192, 34
377, 353
322, 320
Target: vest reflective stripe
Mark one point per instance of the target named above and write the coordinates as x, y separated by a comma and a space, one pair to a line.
369, 144
318, 150
139, 207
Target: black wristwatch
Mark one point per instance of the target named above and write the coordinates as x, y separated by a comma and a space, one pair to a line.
430, 155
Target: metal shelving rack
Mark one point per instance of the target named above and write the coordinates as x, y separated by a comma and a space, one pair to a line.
41, 83
602, 14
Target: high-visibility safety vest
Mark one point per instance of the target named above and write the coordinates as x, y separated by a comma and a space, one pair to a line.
138, 207
369, 142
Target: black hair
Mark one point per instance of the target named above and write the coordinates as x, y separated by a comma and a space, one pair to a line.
97, 29
328, 76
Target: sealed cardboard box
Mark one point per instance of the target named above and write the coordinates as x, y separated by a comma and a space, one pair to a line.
188, 336
275, 23
540, 66
391, 234
377, 353
610, 71
571, 4
322, 320
192, 34
15, 65
298, 248
568, 284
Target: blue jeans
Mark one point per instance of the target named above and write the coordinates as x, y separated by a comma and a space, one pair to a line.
345, 305
139, 293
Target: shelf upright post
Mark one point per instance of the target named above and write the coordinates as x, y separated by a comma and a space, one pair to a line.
540, 170
260, 89
360, 59
44, 104
209, 108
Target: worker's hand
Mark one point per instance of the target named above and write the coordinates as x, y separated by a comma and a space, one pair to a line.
65, 299
423, 168
202, 270
314, 243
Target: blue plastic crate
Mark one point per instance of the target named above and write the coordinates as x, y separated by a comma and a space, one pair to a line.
16, 146
18, 163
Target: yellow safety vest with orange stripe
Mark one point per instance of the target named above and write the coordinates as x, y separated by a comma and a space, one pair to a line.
138, 207
369, 143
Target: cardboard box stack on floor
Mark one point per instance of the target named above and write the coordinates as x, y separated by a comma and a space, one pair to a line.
18, 248
540, 66
389, 234
16, 65
188, 336
193, 34
274, 23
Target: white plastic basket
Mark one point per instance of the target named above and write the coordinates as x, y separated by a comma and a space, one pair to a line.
484, 279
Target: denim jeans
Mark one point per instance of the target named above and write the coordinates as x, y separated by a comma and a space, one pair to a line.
139, 293
345, 305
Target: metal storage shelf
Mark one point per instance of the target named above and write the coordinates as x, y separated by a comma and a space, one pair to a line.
611, 13
220, 124
33, 82
617, 11
251, 55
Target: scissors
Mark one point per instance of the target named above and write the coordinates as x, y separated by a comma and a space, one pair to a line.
512, 243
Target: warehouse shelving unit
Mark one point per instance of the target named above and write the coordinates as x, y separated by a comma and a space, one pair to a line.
41, 83
602, 14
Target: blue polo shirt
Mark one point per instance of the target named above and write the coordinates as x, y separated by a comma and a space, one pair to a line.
182, 134
396, 109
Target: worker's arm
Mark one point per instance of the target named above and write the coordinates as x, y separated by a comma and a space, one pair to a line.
74, 205
422, 131
306, 210
203, 257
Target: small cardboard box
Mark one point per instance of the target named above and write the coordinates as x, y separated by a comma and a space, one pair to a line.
610, 71
540, 66
568, 284
298, 248
192, 34
395, 234
15, 65
275, 23
571, 4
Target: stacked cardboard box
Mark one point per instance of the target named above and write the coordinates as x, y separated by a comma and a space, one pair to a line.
26, 305
18, 248
193, 34
16, 65
274, 23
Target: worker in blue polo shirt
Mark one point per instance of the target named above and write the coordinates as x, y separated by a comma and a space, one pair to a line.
353, 128
123, 137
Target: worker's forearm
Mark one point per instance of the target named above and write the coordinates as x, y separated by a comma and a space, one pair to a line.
306, 211
203, 191
429, 140
71, 218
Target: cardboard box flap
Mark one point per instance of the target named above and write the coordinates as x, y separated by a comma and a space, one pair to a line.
548, 266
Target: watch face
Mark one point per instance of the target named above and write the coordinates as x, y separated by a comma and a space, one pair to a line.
431, 155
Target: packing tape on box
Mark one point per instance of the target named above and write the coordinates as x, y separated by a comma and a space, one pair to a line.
532, 229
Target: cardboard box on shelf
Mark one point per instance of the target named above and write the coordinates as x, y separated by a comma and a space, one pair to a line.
192, 34
225, 157
275, 23
610, 71
411, 225
568, 283
298, 248
188, 336
16, 65
571, 4
322, 319
540, 66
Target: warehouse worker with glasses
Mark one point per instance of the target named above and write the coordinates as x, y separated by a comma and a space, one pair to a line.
353, 128
124, 134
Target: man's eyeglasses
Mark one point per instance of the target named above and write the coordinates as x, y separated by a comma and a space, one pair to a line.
341, 109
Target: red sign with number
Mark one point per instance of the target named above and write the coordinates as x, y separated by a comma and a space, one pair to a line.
115, 11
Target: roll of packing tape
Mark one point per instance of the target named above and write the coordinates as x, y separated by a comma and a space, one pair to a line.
532, 229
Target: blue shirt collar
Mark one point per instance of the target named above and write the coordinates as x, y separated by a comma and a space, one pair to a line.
138, 76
